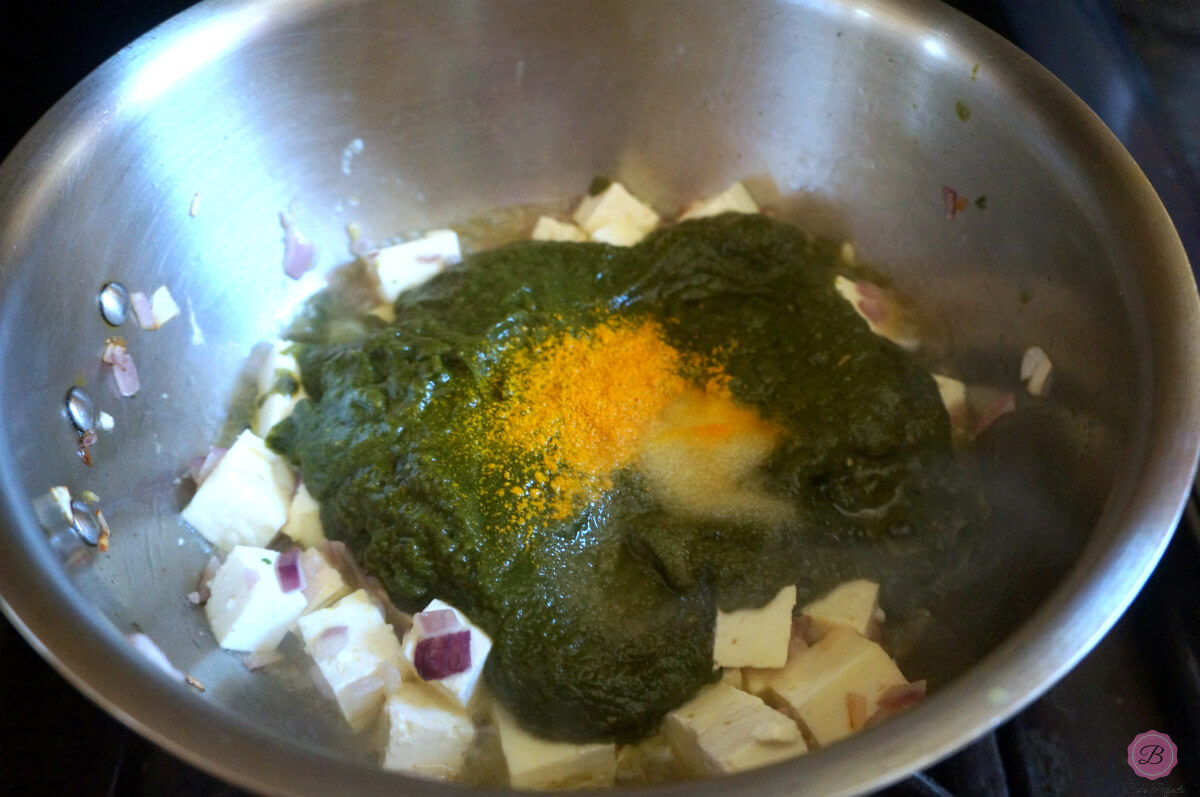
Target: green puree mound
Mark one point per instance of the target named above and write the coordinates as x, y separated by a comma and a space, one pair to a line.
602, 614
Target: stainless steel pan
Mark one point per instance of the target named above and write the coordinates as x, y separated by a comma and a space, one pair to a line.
849, 116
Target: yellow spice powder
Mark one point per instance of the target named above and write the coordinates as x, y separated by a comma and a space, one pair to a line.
585, 401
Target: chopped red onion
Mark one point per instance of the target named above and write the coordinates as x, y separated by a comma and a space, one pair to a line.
437, 622
124, 370
262, 658
341, 559
297, 250
902, 696
200, 467
950, 201
988, 404
329, 642
444, 655
288, 571
140, 303
203, 593
145, 645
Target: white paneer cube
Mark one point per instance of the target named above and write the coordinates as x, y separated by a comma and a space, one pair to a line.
407, 265
245, 500
1035, 370
724, 730
274, 405
954, 397
852, 605
357, 652
304, 519
734, 199
162, 306
424, 735
248, 610
880, 312
620, 232
464, 686
614, 203
384, 312
648, 762
323, 584
537, 763
755, 637
551, 229
818, 682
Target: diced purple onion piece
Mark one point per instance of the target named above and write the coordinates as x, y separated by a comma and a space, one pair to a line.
142, 311
288, 571
902, 696
950, 201
297, 250
203, 593
146, 646
441, 656
329, 642
437, 622
200, 467
124, 371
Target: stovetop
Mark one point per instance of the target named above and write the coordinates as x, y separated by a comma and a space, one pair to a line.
1136, 62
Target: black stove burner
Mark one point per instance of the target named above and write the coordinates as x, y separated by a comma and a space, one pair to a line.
1071, 743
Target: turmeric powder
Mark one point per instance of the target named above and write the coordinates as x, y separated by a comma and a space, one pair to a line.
586, 400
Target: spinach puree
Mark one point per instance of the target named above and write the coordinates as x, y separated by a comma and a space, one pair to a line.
602, 616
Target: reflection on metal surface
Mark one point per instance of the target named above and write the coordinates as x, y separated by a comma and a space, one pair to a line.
81, 410
114, 303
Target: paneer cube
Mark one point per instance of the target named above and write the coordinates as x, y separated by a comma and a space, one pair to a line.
279, 389
357, 652
162, 306
647, 762
881, 312
461, 687
734, 199
724, 730
248, 610
620, 232
755, 637
384, 312
245, 500
407, 265
614, 203
424, 734
853, 605
551, 229
954, 398
323, 583
537, 763
819, 682
304, 519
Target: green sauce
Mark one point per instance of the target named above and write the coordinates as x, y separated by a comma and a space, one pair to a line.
602, 620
